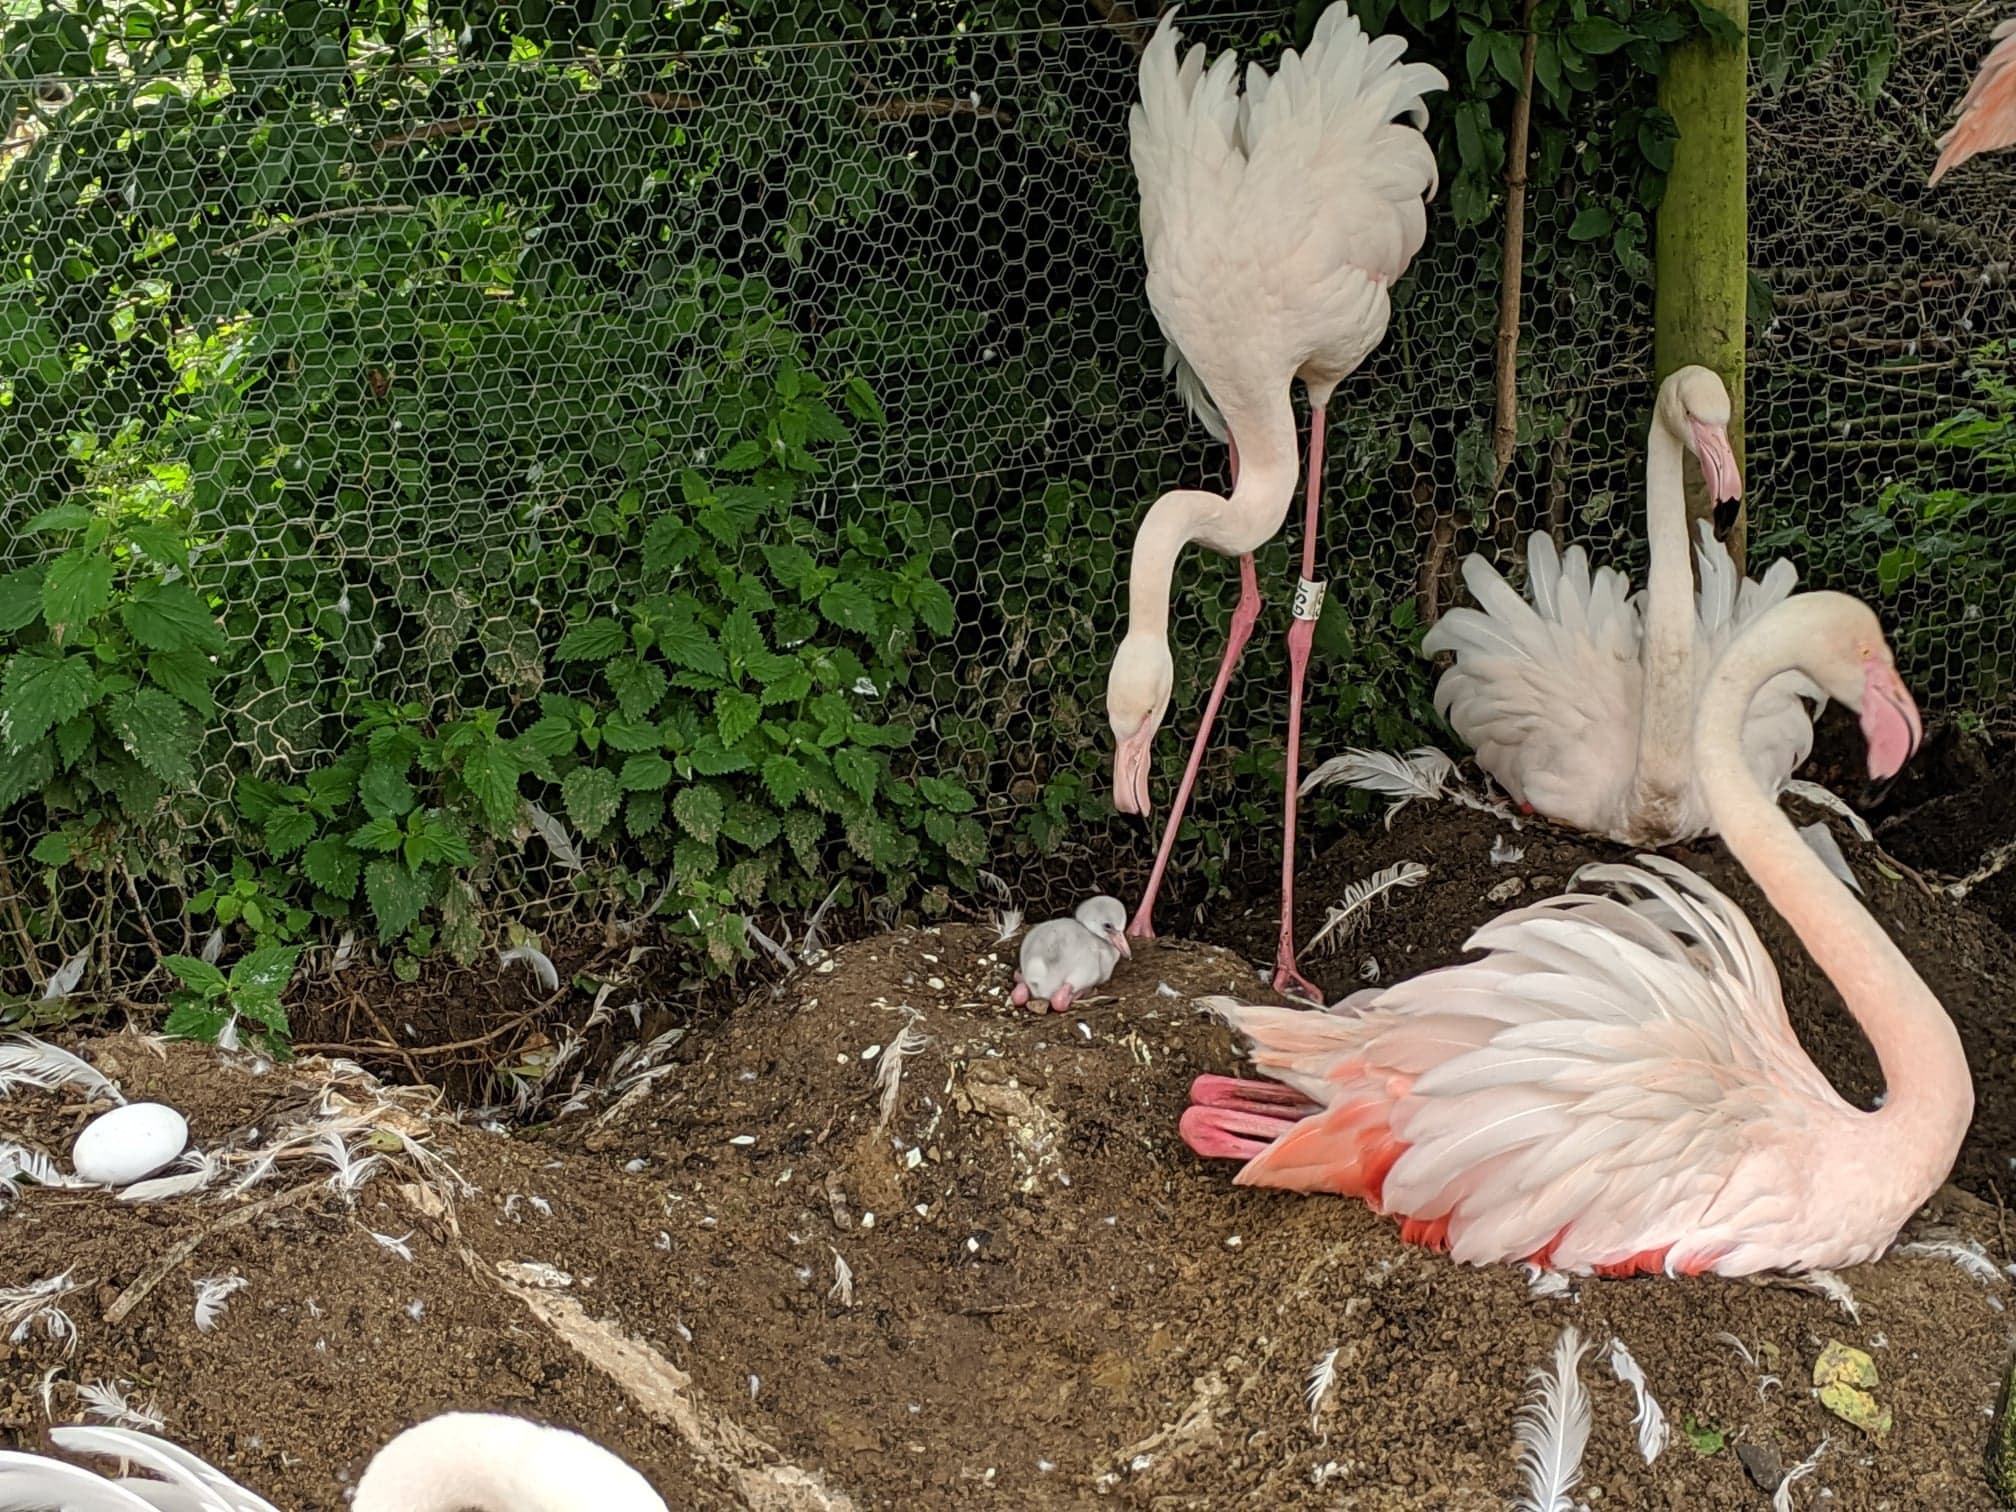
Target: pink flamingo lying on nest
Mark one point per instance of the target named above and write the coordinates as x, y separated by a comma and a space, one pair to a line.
1274, 222
1988, 110
1614, 1086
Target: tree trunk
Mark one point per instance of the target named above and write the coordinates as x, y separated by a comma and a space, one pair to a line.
1703, 233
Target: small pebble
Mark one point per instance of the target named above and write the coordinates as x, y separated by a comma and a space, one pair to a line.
1234, 1242
743, 1139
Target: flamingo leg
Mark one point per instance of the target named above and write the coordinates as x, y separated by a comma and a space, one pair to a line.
1301, 635
1244, 616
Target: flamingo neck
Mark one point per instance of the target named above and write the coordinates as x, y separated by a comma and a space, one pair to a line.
476, 1462
1233, 525
1663, 773
1930, 1098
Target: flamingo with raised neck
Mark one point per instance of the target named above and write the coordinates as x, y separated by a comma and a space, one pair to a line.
1580, 699
1614, 1086
458, 1462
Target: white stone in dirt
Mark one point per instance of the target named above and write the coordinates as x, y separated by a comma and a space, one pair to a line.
129, 1144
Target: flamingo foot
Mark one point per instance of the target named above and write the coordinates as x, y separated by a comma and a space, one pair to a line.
1526, 808
1021, 993
1291, 983
1060, 1000
1143, 925
1267, 1098
1228, 1134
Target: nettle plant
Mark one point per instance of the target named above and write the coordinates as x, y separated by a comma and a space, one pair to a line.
226, 1007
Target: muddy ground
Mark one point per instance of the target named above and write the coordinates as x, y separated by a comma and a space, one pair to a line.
1049, 1302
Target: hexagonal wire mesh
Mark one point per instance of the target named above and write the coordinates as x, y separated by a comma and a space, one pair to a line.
486, 396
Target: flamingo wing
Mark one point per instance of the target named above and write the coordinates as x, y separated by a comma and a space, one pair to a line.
1614, 1083
1987, 118
1778, 735
186, 1484
1547, 691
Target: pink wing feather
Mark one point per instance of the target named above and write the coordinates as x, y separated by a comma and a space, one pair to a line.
1987, 117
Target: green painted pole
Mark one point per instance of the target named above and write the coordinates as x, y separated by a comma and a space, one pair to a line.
1702, 239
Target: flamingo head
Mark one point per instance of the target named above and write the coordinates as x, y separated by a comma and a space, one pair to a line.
1856, 666
1106, 917
1694, 405
1137, 696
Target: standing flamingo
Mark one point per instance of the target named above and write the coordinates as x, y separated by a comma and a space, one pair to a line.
1581, 703
1987, 117
1614, 1085
1274, 222
474, 1460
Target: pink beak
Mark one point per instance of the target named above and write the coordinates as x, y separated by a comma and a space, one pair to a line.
1718, 462
1130, 772
1890, 722
1119, 939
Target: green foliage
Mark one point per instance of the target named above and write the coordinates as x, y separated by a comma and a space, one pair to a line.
219, 1007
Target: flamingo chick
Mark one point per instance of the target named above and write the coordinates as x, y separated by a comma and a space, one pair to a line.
1987, 117
1614, 1086
478, 1461
1066, 957
1581, 702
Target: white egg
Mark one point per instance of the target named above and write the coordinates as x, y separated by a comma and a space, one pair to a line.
129, 1143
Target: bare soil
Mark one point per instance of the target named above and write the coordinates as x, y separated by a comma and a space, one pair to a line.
1051, 1303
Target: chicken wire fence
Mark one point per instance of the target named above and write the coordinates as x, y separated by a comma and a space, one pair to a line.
451, 486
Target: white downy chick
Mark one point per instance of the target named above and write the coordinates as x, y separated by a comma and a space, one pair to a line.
1067, 957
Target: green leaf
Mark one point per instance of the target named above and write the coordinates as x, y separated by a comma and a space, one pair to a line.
53, 850
26, 773
74, 738
332, 866
59, 518
492, 774
806, 832
736, 714
849, 606
288, 829
712, 759
195, 1021
750, 826
789, 688
856, 769
264, 971
789, 563
1591, 222
21, 598
862, 403
639, 685
170, 617
785, 779
552, 736
592, 797
742, 637
396, 896
380, 834
158, 732
624, 734
75, 591
1598, 35
687, 644
187, 674
743, 456
968, 844
199, 976
947, 794
597, 640
699, 810
644, 771
933, 605
161, 544
384, 790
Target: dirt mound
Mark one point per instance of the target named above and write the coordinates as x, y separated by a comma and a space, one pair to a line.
1017, 1288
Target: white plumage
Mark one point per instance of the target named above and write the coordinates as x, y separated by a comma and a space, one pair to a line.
1067, 957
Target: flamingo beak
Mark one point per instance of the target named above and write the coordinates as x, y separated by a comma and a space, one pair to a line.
1890, 722
1131, 759
1118, 936
1718, 462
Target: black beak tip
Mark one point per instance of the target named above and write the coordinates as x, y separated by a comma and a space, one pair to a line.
1725, 516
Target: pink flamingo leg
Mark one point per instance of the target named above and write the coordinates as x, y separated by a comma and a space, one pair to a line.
1244, 617
1301, 635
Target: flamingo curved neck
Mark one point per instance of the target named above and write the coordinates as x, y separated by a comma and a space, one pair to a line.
1666, 654
1930, 1096
1235, 525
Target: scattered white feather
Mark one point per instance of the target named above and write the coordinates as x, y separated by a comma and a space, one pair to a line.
1651, 1417
19, 1161
28, 1061
1342, 921
107, 1400
1820, 797
1007, 925
1965, 1253
1828, 849
1541, 1282
843, 1280
213, 947
1553, 1429
1781, 1499
554, 833
1423, 773
199, 1169
810, 949
1322, 1381
1503, 853
67, 976
24, 1308
398, 1246
1833, 1288
1163, 989
889, 1071
542, 965
1742, 1349
212, 1295
344, 953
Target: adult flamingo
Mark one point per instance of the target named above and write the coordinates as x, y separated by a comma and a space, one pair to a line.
1614, 1086
1581, 703
474, 1460
1274, 223
1988, 110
